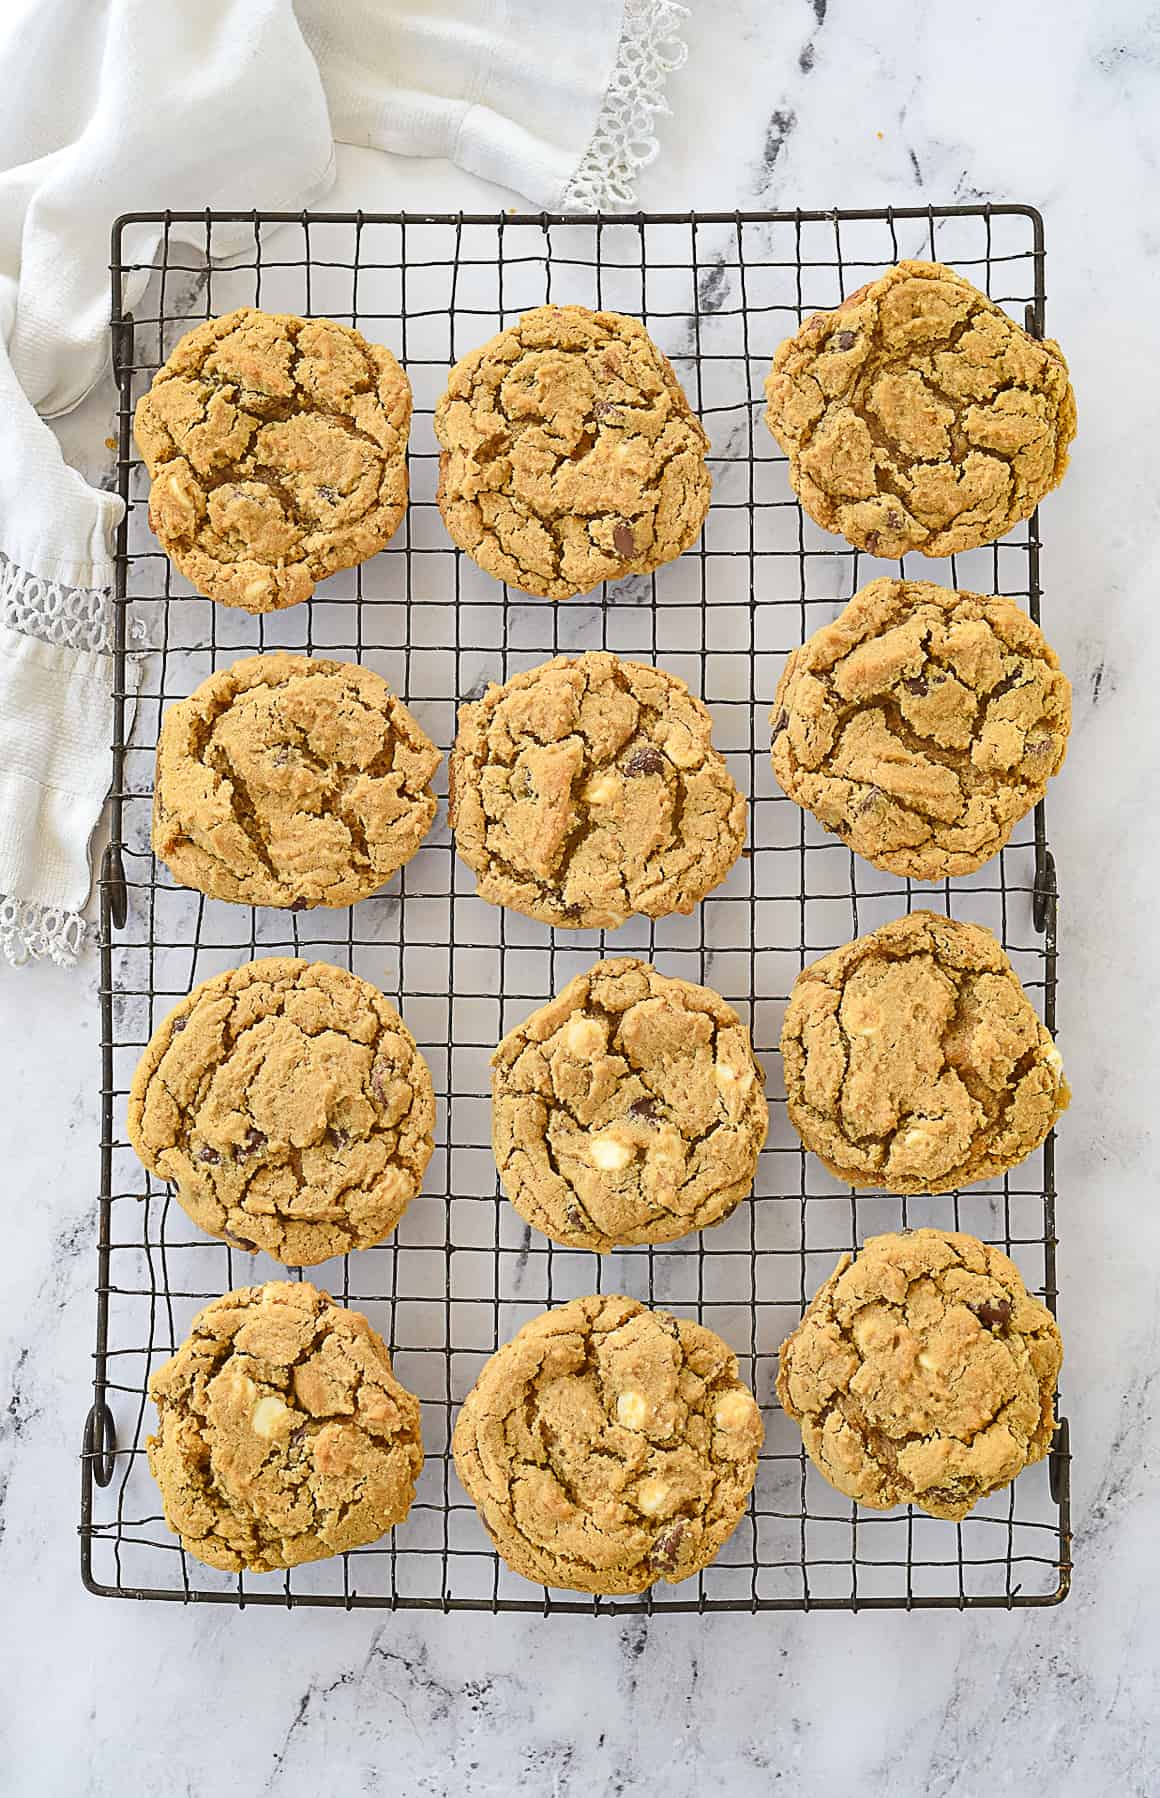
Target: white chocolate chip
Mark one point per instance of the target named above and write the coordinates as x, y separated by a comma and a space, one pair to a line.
734, 1412
583, 1036
728, 1077
610, 1154
269, 1413
681, 746
255, 589
652, 1496
1053, 1059
632, 1410
601, 789
860, 1016
928, 1363
915, 1139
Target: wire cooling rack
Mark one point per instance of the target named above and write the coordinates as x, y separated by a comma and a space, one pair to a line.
463, 1271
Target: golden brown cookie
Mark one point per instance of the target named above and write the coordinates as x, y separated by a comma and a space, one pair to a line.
918, 416
923, 1373
922, 725
289, 1106
914, 1060
282, 1435
277, 451
608, 1446
288, 780
570, 453
586, 790
628, 1109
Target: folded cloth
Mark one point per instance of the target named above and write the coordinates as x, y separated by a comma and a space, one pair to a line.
144, 105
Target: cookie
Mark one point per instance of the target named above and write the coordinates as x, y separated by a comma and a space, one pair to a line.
282, 1435
923, 1373
608, 1446
288, 1105
586, 790
289, 780
918, 416
921, 726
570, 454
276, 447
629, 1109
914, 1061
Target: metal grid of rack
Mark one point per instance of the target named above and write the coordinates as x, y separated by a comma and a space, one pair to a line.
462, 1272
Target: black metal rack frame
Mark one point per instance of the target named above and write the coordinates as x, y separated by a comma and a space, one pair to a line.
718, 291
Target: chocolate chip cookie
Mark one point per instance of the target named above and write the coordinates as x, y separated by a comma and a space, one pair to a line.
283, 1436
292, 781
914, 1061
923, 1373
628, 1109
277, 451
586, 790
570, 453
608, 1446
922, 725
288, 1105
918, 416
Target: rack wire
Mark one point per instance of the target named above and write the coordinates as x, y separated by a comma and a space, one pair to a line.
463, 1271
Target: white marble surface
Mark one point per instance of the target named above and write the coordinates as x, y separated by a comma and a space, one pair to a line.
793, 104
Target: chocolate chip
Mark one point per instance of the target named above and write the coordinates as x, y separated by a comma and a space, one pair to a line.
872, 543
341, 1139
917, 686
646, 761
179, 1024
281, 756
329, 494
239, 1242
1005, 685
894, 520
994, 1314
605, 409
869, 800
624, 540
1041, 746
571, 911
298, 905
844, 340
252, 1140
666, 1549
643, 1108
209, 1155
780, 722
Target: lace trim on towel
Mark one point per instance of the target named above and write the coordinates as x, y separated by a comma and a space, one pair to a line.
624, 143
33, 932
74, 617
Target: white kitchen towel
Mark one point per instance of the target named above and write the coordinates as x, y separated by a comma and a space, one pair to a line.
116, 106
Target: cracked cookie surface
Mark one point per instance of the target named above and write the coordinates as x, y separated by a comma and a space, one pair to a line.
608, 1446
923, 1373
914, 1060
586, 790
918, 416
921, 725
629, 1109
289, 1106
570, 453
291, 781
283, 1436
276, 447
